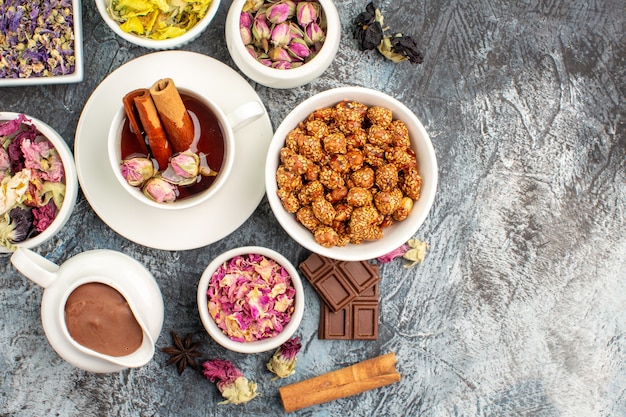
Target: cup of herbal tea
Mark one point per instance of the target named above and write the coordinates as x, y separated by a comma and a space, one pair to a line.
173, 148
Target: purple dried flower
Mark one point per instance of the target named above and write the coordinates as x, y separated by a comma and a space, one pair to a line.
283, 362
281, 35
231, 382
298, 49
280, 12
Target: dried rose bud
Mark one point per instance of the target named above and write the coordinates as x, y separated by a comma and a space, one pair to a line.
261, 31
252, 5
159, 190
298, 49
280, 12
314, 34
282, 65
283, 362
245, 20
137, 171
279, 54
231, 382
281, 35
186, 164
295, 30
306, 13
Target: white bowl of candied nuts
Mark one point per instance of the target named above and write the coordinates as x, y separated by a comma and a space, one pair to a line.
351, 174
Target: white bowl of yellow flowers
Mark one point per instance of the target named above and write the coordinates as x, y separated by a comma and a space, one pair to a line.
165, 24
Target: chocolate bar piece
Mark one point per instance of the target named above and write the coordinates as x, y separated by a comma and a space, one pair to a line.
358, 320
339, 282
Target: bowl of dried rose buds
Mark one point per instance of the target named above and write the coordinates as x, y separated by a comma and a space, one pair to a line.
351, 174
39, 183
285, 43
250, 299
156, 24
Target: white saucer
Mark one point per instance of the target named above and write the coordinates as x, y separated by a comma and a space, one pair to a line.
166, 229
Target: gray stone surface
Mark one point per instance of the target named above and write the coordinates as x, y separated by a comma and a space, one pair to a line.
519, 307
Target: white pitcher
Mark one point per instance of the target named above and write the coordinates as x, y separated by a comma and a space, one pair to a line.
117, 270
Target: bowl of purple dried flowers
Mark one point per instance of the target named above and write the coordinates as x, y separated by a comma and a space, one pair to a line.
53, 53
283, 43
250, 299
38, 182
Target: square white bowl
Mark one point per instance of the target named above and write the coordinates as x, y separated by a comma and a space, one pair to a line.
76, 76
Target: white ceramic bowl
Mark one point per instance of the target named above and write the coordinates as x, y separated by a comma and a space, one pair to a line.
172, 43
396, 234
259, 345
71, 182
115, 158
277, 78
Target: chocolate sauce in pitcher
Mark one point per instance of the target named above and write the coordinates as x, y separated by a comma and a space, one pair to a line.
98, 317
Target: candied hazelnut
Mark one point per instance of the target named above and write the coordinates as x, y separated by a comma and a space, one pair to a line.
342, 212
380, 116
337, 194
339, 163
357, 138
288, 200
363, 177
359, 196
330, 179
335, 143
404, 209
355, 158
309, 191
311, 147
313, 172
378, 136
293, 139
323, 210
374, 155
316, 128
411, 183
387, 177
402, 158
288, 180
307, 218
326, 115
400, 134
387, 202
294, 161
326, 236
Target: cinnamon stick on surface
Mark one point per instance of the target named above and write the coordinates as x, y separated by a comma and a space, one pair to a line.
159, 145
133, 118
174, 116
360, 377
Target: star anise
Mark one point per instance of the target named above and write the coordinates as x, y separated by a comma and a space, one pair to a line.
183, 353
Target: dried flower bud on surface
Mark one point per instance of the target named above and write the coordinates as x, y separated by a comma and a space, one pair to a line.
283, 362
234, 386
370, 33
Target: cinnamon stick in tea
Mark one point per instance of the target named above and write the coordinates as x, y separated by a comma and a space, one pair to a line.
174, 116
133, 118
355, 379
159, 146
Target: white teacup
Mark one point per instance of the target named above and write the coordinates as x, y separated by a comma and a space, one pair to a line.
229, 124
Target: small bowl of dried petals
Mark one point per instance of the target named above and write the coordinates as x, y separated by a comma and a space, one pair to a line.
158, 24
39, 182
351, 174
284, 43
250, 299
